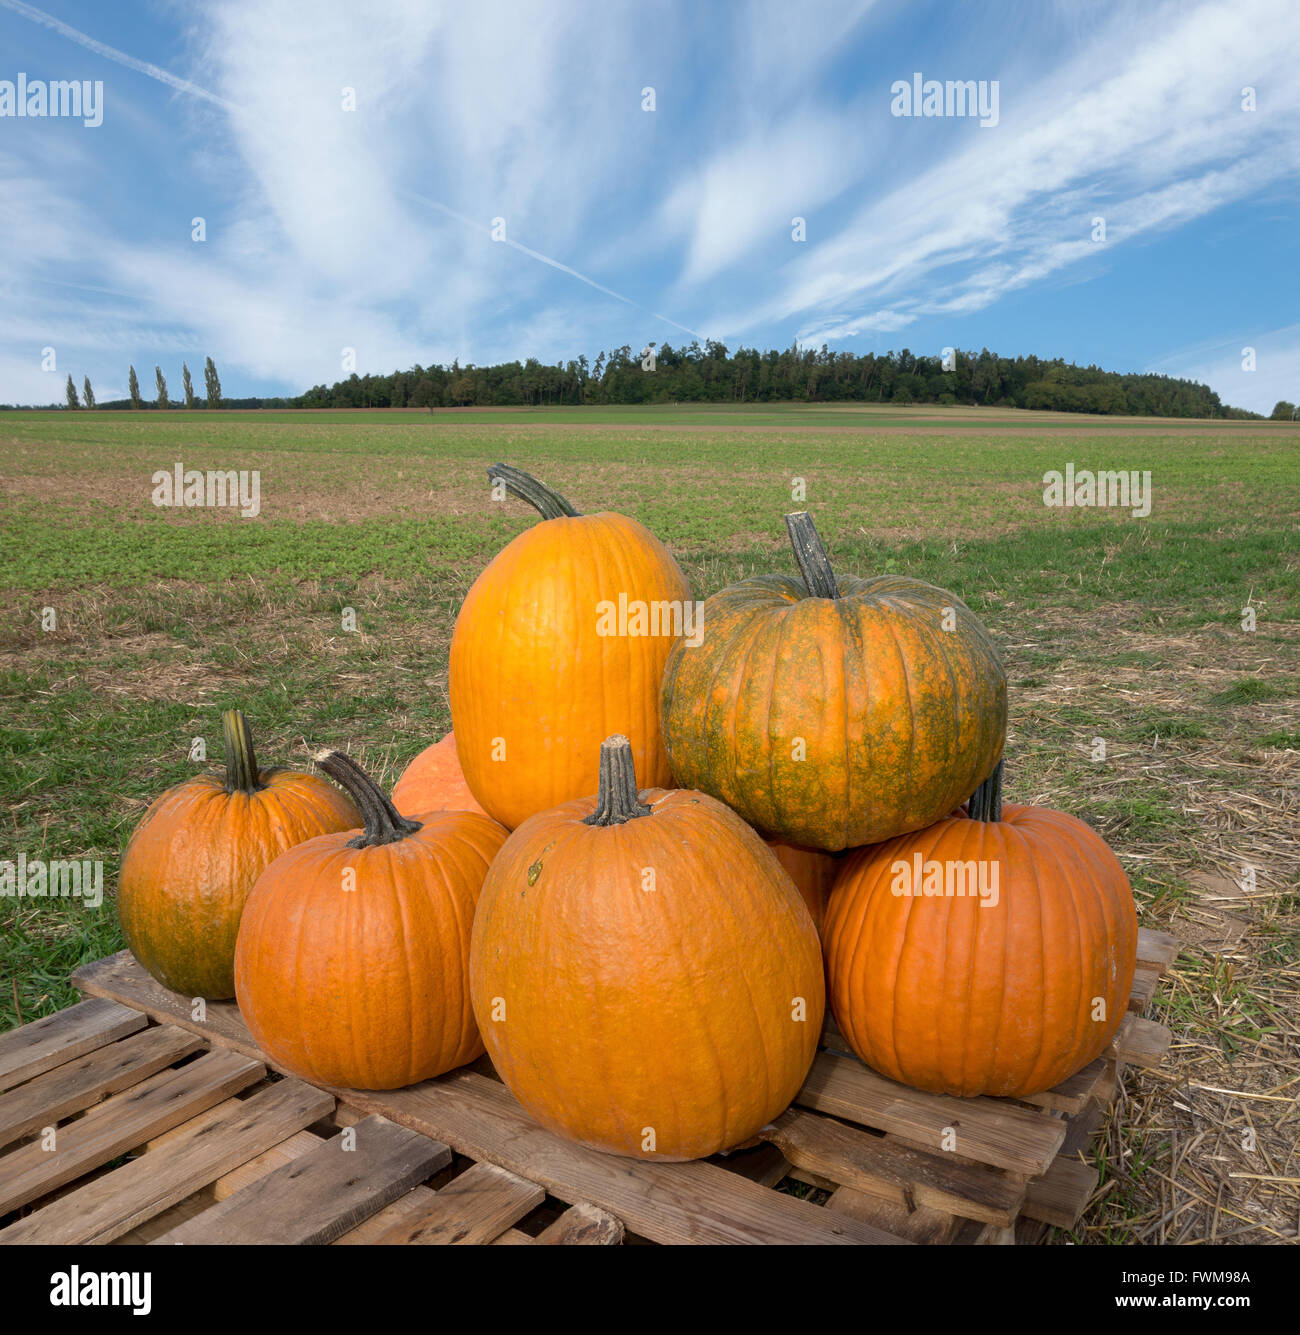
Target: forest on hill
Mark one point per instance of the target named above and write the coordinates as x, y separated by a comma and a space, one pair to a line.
711, 374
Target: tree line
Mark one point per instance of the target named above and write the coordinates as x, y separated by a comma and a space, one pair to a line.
711, 374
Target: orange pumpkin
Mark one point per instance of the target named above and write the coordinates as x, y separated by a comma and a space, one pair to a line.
1007, 991
195, 854
352, 961
647, 980
835, 713
434, 781
812, 872
561, 641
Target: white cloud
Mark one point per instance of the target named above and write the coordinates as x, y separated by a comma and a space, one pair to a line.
1276, 373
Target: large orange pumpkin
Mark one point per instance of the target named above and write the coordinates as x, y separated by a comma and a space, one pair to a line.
647, 979
195, 854
561, 641
1004, 992
835, 713
812, 872
352, 961
434, 781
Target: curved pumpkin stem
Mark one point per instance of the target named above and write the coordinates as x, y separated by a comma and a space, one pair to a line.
986, 801
616, 800
241, 762
549, 504
814, 565
384, 823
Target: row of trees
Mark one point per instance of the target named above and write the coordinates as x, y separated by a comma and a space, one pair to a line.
212, 383
711, 374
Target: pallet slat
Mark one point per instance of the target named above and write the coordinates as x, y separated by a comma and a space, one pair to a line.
990, 1130
195, 1155
475, 1207
1061, 1194
44, 1044
322, 1194
881, 1168
121, 1123
77, 1084
582, 1225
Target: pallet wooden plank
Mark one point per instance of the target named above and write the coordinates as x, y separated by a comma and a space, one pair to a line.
1072, 1095
126, 1198
513, 1237
992, 1131
1061, 1194
582, 1225
920, 1225
405, 1208
1156, 949
765, 1165
882, 1168
76, 1085
44, 1044
472, 1208
1140, 1042
320, 1196
1145, 982
300, 1143
119, 1124
694, 1202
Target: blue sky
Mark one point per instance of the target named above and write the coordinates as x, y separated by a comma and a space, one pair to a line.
371, 229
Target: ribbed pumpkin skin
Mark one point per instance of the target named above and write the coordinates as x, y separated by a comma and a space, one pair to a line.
192, 861
528, 666
812, 872
367, 988
627, 1008
900, 719
941, 994
434, 781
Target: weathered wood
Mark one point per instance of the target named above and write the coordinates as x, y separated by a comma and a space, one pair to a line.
921, 1225
78, 1084
1072, 1095
991, 1131
44, 1044
121, 1123
888, 1171
321, 1195
405, 1208
582, 1225
691, 1202
1157, 950
197, 1153
298, 1144
1140, 1042
1060, 1195
472, 1208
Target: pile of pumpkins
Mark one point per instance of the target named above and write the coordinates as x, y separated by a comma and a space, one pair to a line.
653, 848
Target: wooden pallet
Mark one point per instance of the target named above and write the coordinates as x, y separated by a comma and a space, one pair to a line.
219, 1148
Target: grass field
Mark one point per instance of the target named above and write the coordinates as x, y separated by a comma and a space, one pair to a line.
1112, 626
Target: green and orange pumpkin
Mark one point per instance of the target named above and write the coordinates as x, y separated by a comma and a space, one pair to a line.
834, 712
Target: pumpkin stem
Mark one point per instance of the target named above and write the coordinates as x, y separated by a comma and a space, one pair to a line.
241, 763
616, 799
549, 504
384, 823
814, 565
986, 801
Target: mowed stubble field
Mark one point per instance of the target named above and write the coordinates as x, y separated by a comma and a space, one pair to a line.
1114, 627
